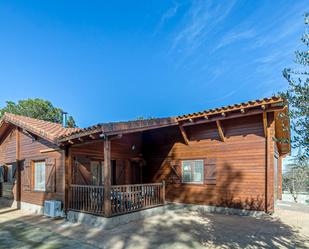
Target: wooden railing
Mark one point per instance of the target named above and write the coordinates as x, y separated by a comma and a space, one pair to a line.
129, 198
124, 198
86, 198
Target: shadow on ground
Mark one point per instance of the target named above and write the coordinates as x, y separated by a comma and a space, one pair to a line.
177, 228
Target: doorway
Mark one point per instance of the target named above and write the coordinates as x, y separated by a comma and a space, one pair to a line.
7, 179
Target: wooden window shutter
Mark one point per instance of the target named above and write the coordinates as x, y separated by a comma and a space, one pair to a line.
210, 171
26, 176
50, 174
175, 171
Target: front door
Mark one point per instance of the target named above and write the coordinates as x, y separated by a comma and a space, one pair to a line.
8, 181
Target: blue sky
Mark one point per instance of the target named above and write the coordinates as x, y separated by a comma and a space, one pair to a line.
120, 60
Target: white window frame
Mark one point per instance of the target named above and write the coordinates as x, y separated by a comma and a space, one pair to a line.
42, 186
182, 171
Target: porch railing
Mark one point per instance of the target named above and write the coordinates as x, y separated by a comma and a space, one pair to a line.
88, 199
129, 198
124, 198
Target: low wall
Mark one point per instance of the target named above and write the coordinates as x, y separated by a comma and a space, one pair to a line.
109, 223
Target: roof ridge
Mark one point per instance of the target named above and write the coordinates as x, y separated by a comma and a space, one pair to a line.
46, 129
36, 119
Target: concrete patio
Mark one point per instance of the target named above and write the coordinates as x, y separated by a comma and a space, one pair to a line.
178, 228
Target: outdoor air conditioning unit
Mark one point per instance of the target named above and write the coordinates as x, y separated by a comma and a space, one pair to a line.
52, 208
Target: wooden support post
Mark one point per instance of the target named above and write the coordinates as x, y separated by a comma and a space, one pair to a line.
184, 134
107, 178
18, 168
163, 192
265, 123
270, 153
220, 131
68, 177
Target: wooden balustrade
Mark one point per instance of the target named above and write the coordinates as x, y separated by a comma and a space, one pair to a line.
129, 198
86, 198
124, 198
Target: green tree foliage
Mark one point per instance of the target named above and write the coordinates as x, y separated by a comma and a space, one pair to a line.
296, 178
37, 108
298, 95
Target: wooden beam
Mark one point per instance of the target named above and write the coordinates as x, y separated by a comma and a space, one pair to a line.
68, 176
18, 169
49, 150
184, 134
265, 123
92, 136
17, 138
220, 131
270, 149
107, 178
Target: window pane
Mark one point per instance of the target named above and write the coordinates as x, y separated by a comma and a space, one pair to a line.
39, 176
187, 171
193, 171
198, 171
187, 177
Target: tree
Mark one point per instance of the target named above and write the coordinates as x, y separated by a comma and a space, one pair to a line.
37, 108
296, 179
298, 95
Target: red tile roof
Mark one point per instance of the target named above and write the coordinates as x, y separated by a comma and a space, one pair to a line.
50, 131
235, 107
117, 127
56, 133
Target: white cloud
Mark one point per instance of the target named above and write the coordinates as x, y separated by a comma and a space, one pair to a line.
167, 15
202, 18
234, 36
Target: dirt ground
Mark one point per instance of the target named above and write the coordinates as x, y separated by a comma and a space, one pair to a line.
175, 229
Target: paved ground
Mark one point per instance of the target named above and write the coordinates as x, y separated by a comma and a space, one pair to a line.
175, 229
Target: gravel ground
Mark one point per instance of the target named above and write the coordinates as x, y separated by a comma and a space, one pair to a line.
175, 229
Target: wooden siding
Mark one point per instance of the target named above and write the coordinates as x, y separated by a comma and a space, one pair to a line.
240, 162
126, 152
30, 151
237, 162
8, 147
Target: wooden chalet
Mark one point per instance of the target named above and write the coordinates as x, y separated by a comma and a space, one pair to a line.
229, 157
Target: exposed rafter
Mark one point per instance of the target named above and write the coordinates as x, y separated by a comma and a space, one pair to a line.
231, 115
220, 131
184, 134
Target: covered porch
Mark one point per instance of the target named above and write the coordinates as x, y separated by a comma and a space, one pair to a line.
106, 174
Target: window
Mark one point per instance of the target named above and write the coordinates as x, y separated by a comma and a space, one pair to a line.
39, 176
96, 168
193, 171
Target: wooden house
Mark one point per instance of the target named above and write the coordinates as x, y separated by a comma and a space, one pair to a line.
226, 157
